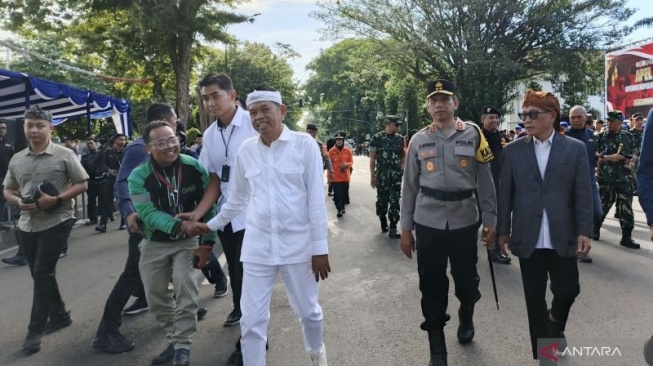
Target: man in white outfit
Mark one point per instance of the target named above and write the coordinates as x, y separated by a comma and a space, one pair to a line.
278, 179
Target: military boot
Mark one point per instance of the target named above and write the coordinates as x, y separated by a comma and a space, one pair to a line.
438, 348
384, 223
466, 326
628, 242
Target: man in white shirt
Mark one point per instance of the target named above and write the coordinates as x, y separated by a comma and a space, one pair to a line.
278, 178
221, 142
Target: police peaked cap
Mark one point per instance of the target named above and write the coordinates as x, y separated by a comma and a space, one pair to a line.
488, 109
440, 86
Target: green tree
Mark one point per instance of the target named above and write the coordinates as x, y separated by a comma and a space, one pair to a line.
485, 46
255, 64
153, 28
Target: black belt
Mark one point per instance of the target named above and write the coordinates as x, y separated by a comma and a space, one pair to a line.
446, 196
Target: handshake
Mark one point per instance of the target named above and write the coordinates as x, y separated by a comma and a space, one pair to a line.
193, 228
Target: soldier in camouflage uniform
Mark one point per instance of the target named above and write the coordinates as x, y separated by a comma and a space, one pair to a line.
616, 148
387, 151
638, 133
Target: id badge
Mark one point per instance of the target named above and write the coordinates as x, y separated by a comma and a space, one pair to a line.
224, 177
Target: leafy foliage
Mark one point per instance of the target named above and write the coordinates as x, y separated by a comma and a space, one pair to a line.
485, 46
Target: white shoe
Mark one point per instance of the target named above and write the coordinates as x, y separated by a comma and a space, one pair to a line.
319, 359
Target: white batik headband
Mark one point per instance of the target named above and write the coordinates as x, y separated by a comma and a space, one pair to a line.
263, 96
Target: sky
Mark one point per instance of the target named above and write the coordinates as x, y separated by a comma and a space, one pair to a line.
289, 21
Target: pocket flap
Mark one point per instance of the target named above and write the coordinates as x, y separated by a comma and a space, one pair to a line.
464, 150
428, 153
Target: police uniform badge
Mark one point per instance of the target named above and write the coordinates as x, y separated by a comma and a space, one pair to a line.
460, 125
488, 110
430, 166
463, 163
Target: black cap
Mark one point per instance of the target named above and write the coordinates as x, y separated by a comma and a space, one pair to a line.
440, 86
394, 119
637, 115
199, 135
615, 116
340, 135
311, 126
488, 109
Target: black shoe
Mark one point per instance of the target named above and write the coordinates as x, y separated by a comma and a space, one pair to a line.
112, 218
101, 228
201, 312
236, 359
339, 214
628, 242
91, 222
330, 193
60, 322
233, 318
17, 260
596, 235
500, 258
466, 327
221, 289
32, 343
437, 347
166, 356
384, 224
113, 342
394, 234
122, 227
182, 357
138, 306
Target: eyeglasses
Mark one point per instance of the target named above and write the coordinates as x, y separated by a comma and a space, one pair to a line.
532, 114
164, 144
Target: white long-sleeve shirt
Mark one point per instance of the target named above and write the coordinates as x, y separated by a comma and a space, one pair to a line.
221, 148
542, 151
281, 187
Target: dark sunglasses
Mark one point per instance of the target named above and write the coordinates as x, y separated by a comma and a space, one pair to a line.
532, 114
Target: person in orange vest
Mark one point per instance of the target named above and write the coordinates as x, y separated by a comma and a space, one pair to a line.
342, 159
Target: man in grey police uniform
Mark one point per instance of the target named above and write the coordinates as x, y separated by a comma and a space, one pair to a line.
445, 163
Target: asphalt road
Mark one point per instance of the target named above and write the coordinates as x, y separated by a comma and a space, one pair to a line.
370, 301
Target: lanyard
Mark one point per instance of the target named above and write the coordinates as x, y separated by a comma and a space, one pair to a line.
226, 143
163, 179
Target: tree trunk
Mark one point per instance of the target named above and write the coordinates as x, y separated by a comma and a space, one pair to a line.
180, 55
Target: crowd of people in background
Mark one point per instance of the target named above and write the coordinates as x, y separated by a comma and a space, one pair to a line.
255, 186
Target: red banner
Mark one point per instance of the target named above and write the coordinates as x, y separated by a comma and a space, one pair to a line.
629, 80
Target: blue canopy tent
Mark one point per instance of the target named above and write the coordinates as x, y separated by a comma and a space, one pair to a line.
19, 91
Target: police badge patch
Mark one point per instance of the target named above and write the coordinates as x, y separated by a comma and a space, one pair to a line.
430, 166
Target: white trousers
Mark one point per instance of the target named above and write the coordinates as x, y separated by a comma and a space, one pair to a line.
302, 290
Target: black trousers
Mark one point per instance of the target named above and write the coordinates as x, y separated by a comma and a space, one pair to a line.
535, 272
42, 249
106, 204
212, 271
340, 194
232, 244
434, 247
95, 204
129, 283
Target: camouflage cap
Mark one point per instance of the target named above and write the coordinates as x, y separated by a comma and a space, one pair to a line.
615, 116
394, 119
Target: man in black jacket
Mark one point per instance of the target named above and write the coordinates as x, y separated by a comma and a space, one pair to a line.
97, 171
